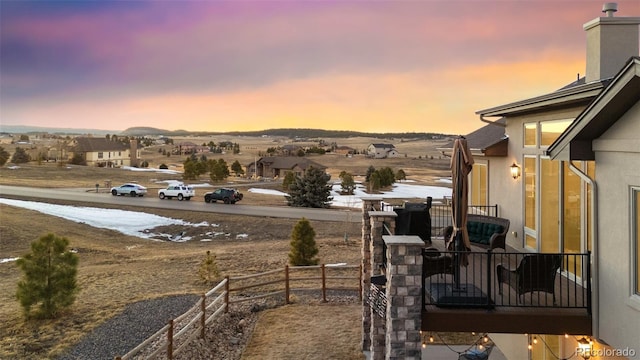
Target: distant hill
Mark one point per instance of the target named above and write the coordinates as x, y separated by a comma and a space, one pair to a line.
289, 133
19, 129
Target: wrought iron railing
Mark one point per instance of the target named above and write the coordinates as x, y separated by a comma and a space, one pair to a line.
440, 212
441, 215
506, 279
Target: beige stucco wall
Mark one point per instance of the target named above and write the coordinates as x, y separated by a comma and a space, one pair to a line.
617, 170
503, 189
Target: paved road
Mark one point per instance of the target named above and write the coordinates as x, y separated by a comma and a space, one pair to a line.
82, 195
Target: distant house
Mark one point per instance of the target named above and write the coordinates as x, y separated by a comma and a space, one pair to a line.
344, 150
291, 150
6, 138
276, 166
382, 151
107, 153
187, 147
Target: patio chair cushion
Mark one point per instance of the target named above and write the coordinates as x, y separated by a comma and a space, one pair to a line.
481, 232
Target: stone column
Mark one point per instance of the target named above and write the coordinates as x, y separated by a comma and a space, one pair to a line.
368, 204
404, 288
378, 323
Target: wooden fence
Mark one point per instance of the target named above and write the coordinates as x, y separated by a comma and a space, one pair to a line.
172, 339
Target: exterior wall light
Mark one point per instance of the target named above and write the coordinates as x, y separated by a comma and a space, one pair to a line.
584, 348
515, 171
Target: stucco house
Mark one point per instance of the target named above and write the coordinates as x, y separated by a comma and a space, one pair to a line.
276, 166
575, 156
381, 151
564, 169
103, 152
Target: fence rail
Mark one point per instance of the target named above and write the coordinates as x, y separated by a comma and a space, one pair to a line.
174, 337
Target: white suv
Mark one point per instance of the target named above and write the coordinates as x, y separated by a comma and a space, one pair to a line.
180, 191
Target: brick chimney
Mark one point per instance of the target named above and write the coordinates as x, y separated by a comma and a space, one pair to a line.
611, 41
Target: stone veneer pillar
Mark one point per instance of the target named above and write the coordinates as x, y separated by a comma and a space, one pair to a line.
378, 324
404, 300
368, 204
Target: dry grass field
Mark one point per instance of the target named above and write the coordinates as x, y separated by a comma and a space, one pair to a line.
116, 270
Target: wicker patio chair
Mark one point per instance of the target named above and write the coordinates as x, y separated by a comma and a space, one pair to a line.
536, 272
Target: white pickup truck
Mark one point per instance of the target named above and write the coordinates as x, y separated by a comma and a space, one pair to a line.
181, 191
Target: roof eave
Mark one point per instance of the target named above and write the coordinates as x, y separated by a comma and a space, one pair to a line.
560, 97
575, 142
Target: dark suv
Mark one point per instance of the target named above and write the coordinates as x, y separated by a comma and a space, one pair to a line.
229, 196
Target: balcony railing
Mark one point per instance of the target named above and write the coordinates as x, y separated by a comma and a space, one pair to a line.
506, 279
440, 212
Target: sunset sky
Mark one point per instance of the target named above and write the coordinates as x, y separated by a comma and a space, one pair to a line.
382, 66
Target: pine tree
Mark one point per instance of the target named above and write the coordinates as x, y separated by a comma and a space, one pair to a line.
236, 167
289, 178
370, 170
303, 245
348, 185
218, 170
310, 190
49, 277
208, 270
20, 156
401, 175
190, 169
4, 156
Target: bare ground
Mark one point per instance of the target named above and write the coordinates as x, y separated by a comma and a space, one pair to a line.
116, 270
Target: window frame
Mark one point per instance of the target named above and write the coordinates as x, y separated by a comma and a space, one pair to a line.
635, 239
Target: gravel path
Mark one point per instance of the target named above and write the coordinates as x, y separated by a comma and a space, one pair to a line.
225, 338
125, 331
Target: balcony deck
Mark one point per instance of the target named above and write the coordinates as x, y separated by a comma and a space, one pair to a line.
470, 298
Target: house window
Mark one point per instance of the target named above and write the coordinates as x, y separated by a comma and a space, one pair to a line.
551, 130
531, 134
635, 228
530, 212
550, 205
548, 347
479, 185
100, 155
572, 220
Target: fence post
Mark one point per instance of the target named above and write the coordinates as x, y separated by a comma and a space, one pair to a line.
203, 308
170, 340
226, 295
324, 284
286, 284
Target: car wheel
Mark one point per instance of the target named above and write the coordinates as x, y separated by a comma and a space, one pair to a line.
133, 194
188, 198
180, 197
161, 196
114, 192
207, 200
232, 202
226, 200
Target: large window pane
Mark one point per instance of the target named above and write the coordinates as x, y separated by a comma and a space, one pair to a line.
550, 205
551, 130
530, 200
571, 221
479, 185
530, 132
636, 232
